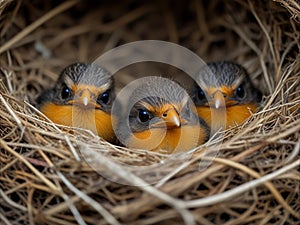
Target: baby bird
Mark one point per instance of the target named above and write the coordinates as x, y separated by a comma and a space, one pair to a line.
225, 86
160, 116
82, 97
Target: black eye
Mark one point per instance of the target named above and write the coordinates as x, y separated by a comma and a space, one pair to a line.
104, 97
201, 94
65, 92
144, 115
240, 91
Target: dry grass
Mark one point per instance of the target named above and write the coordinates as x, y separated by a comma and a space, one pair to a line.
45, 180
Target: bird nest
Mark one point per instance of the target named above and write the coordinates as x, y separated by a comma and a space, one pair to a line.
45, 179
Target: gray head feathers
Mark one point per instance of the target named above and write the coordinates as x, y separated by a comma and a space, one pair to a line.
221, 73
158, 91
82, 73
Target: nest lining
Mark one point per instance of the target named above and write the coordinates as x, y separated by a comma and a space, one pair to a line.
45, 180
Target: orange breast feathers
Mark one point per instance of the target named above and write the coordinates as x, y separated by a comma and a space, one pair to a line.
235, 114
168, 141
95, 120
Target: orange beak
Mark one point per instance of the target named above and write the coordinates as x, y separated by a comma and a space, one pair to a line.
171, 118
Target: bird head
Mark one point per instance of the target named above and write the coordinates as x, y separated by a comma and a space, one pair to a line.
224, 84
86, 86
154, 113
160, 103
